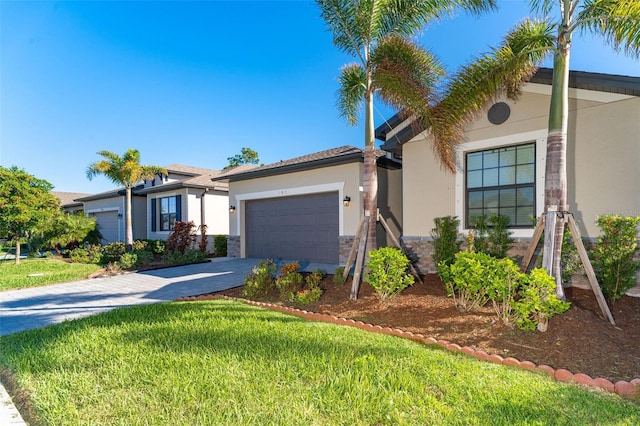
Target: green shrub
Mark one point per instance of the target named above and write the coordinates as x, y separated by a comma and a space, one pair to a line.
338, 276
260, 281
445, 239
156, 246
190, 256
304, 297
314, 279
220, 245
477, 278
290, 280
128, 261
145, 257
139, 245
613, 255
387, 272
79, 255
537, 299
492, 236
112, 252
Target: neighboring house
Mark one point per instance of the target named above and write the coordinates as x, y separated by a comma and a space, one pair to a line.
185, 194
307, 208
501, 164
68, 203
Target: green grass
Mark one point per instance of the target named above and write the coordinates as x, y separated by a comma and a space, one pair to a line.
221, 363
53, 271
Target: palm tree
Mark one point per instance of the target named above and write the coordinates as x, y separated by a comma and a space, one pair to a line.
525, 47
376, 33
126, 171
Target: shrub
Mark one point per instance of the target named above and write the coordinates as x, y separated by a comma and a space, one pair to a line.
182, 237
290, 280
387, 272
445, 239
139, 245
79, 255
467, 279
304, 297
190, 256
492, 235
613, 255
220, 245
202, 244
128, 260
145, 257
112, 252
313, 280
338, 276
260, 281
537, 299
156, 246
89, 254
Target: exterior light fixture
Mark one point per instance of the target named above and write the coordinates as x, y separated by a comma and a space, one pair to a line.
346, 201
232, 209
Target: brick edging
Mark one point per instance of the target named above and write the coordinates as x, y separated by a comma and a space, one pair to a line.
630, 389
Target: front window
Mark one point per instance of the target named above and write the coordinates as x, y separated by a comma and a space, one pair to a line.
501, 181
168, 213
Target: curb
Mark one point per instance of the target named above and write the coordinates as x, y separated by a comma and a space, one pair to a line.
627, 389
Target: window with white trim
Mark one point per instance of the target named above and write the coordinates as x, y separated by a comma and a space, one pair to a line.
501, 181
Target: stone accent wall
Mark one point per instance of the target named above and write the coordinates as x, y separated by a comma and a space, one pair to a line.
233, 246
345, 242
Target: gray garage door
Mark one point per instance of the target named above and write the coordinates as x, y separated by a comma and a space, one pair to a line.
303, 228
108, 225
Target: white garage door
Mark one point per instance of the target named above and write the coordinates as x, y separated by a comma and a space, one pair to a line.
303, 228
108, 225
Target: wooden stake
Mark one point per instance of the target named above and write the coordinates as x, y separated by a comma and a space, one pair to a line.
397, 244
589, 269
534, 243
352, 253
355, 285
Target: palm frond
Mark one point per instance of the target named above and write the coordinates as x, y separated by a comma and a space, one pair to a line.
353, 86
503, 70
543, 7
618, 21
341, 16
405, 75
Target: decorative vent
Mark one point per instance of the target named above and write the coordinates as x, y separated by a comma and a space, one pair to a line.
499, 113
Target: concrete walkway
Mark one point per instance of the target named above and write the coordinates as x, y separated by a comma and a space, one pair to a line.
42, 306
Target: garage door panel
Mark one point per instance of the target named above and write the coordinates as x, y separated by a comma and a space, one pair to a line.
301, 228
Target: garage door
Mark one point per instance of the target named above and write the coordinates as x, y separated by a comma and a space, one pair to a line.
107, 225
303, 228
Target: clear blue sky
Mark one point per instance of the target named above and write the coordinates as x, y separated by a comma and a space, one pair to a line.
192, 82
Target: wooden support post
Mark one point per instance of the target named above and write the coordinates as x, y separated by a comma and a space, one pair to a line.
589, 269
395, 241
352, 253
537, 234
362, 246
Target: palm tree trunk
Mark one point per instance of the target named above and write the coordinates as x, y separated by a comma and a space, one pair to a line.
370, 179
555, 191
128, 231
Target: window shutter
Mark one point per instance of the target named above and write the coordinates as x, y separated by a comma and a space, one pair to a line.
178, 208
154, 219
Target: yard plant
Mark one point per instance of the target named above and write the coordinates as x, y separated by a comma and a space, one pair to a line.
387, 272
221, 362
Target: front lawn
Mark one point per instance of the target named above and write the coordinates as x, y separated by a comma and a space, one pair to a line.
38, 272
222, 362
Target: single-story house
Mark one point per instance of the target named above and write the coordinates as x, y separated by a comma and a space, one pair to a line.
68, 201
307, 208
184, 194
501, 162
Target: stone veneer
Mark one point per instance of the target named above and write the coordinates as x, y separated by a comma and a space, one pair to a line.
233, 246
345, 243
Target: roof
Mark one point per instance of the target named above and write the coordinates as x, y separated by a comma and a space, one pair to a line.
119, 192
608, 83
330, 157
189, 170
67, 199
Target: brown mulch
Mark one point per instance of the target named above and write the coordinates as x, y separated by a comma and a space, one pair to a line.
581, 340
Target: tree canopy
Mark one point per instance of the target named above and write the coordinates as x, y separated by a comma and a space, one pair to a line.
246, 156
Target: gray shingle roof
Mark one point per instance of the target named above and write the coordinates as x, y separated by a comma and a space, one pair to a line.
68, 198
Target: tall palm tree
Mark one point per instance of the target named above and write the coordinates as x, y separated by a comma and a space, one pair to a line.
125, 171
525, 47
376, 34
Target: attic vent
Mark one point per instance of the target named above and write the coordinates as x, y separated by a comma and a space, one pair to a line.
499, 113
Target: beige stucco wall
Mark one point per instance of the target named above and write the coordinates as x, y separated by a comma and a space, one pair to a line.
603, 159
163, 235
390, 204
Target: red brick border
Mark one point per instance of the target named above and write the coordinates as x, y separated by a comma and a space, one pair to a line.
630, 389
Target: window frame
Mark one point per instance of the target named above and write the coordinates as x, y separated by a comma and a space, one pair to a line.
161, 215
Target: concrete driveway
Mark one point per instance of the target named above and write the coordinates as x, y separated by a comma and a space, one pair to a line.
41, 306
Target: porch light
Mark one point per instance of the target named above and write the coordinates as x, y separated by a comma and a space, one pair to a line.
346, 201
232, 209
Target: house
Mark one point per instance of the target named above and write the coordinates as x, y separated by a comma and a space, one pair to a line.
307, 208
184, 194
68, 203
501, 162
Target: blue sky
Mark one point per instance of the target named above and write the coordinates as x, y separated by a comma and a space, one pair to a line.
192, 82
